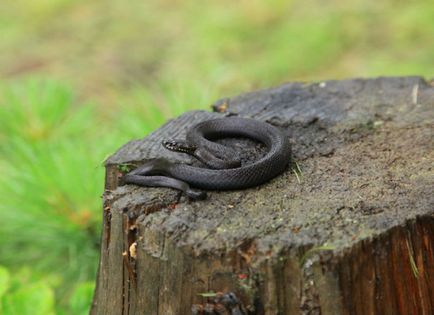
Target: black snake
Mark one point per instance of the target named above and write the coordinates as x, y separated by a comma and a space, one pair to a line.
224, 169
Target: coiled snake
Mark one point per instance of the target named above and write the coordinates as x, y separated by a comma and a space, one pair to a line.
224, 171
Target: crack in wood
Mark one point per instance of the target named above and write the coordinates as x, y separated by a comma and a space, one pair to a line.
366, 151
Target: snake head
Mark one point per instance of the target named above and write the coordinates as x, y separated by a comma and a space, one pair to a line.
179, 146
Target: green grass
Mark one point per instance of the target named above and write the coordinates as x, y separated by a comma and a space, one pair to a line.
25, 292
50, 183
51, 158
116, 72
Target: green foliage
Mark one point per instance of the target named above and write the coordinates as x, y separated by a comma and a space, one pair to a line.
24, 295
105, 47
51, 163
51, 179
81, 298
36, 112
26, 292
4, 280
33, 299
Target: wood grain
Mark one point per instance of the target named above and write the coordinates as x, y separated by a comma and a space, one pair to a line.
348, 229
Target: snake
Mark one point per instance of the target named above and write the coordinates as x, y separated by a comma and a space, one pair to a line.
222, 169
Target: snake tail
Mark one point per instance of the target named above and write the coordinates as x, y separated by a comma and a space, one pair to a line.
146, 175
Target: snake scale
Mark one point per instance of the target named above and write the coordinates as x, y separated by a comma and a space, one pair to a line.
223, 169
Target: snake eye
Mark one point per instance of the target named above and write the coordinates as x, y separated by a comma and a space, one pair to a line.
179, 146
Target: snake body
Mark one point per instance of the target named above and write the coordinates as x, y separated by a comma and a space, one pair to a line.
223, 171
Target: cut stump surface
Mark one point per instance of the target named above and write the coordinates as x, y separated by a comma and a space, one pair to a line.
347, 229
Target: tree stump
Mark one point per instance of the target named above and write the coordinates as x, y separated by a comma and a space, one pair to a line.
347, 229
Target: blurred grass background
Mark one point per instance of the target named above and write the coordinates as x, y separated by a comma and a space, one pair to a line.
80, 78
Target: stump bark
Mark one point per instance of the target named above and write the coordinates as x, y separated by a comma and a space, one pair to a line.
347, 229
